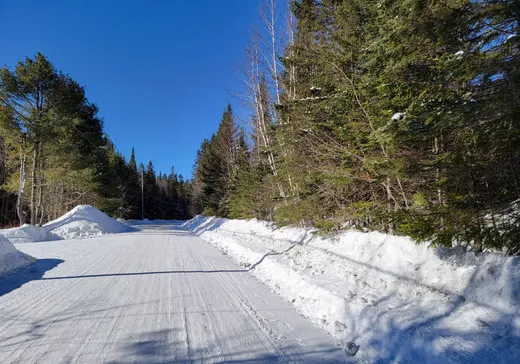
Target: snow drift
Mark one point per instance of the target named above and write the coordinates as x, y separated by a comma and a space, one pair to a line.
85, 221
11, 258
399, 301
28, 234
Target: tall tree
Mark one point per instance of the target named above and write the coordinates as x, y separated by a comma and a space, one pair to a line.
215, 166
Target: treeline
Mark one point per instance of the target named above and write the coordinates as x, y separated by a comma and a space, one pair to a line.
54, 155
401, 116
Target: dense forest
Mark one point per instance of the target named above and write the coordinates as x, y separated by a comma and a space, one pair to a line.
396, 115
54, 155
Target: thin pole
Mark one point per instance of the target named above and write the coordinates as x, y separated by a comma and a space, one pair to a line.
142, 195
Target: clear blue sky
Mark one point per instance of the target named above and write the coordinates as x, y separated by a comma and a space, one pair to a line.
161, 72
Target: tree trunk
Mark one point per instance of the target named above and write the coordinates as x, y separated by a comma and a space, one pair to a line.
402, 192
21, 190
42, 214
389, 199
33, 183
437, 150
39, 208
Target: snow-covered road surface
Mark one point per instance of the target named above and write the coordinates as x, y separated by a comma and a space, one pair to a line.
155, 296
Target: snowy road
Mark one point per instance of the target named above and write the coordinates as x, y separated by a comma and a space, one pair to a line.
155, 296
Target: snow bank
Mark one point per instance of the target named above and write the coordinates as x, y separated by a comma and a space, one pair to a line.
85, 221
399, 301
81, 222
11, 258
28, 234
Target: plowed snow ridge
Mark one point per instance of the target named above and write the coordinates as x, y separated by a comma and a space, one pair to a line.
398, 301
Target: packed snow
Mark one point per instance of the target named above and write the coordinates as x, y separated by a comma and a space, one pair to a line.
161, 295
81, 222
28, 234
85, 221
398, 116
459, 54
11, 258
383, 297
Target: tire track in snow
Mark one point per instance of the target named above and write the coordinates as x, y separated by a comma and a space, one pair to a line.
252, 315
86, 292
117, 295
217, 281
50, 287
150, 297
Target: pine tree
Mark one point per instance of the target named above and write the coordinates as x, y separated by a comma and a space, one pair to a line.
215, 167
131, 204
150, 193
46, 104
52, 145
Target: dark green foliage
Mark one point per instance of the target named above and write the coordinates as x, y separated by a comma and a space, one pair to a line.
215, 166
400, 116
54, 154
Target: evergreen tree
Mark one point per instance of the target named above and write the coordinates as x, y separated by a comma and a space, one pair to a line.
54, 154
150, 192
215, 165
45, 105
131, 204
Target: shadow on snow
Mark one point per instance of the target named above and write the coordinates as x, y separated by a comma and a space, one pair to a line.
33, 272
148, 273
170, 346
397, 330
